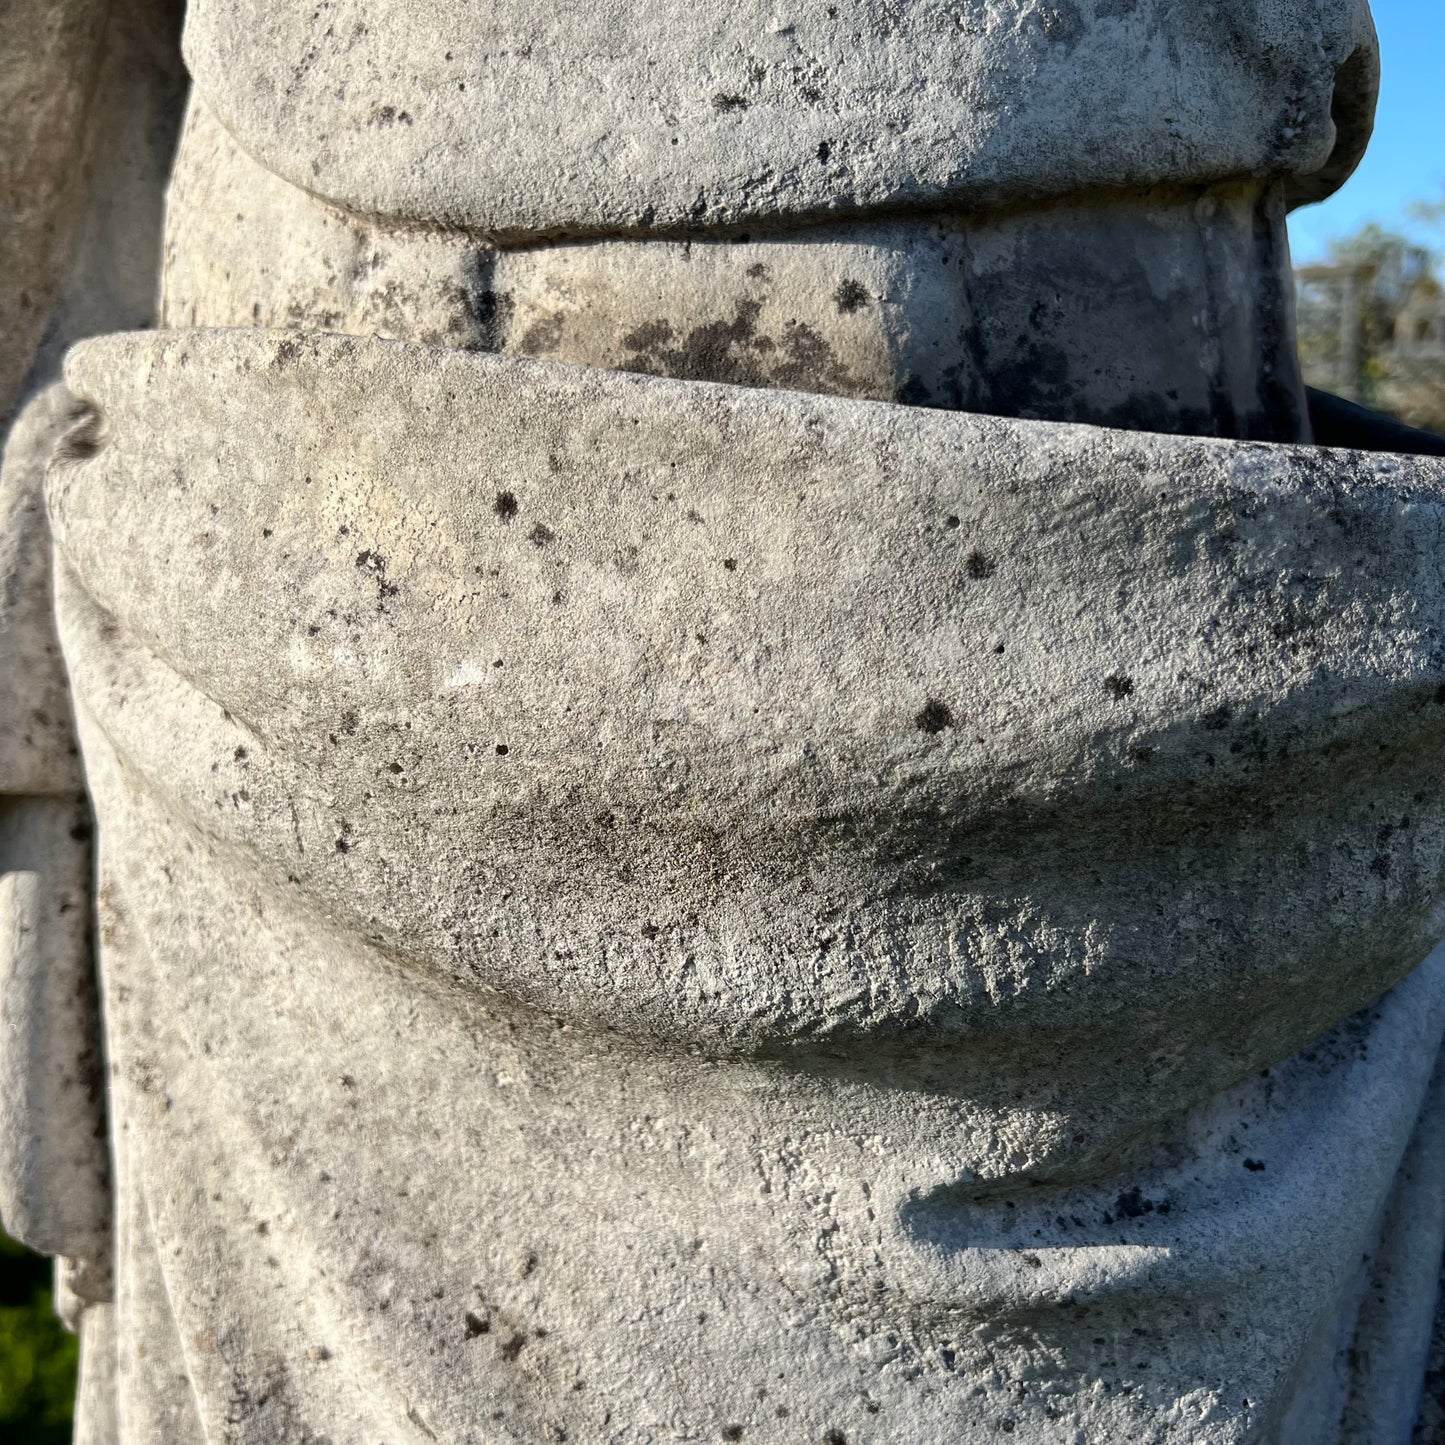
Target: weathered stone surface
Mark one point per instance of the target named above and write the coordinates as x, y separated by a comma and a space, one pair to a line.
37, 740
624, 118
585, 895
54, 1171
1164, 311
1392, 1335
635, 909
137, 97
50, 51
92, 97
360, 1204
983, 685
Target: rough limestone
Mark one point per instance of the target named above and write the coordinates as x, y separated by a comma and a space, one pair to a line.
691, 747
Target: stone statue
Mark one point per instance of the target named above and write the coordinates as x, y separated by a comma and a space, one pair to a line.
750, 783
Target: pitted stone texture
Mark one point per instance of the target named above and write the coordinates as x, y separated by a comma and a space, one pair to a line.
642, 908
628, 117
814, 720
358, 1204
1159, 311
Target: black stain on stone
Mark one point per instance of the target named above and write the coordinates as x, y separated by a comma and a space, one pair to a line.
542, 336
477, 1325
934, 716
1118, 686
375, 563
1132, 1205
652, 334
540, 535
724, 103
734, 351
850, 296
1255, 1166
488, 311
979, 567
506, 506
913, 391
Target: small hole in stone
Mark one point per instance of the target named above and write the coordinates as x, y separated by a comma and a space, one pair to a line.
502, 750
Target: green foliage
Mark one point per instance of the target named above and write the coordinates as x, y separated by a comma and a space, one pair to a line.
38, 1356
1396, 296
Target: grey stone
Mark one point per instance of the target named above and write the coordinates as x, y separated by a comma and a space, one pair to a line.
645, 889
37, 740
648, 1040
577, 119
1170, 312
50, 49
92, 95
54, 1166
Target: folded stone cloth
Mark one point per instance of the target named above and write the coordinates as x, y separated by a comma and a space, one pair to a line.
920, 912
54, 1163
637, 118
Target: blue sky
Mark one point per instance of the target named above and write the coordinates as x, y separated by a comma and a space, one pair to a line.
1406, 159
